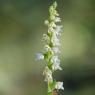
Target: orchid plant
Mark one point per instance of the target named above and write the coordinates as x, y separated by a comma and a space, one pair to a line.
51, 50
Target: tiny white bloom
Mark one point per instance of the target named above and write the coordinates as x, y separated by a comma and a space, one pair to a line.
52, 17
48, 74
39, 56
57, 19
56, 63
55, 41
56, 66
45, 37
52, 24
59, 85
58, 28
47, 48
46, 22
51, 29
55, 59
56, 50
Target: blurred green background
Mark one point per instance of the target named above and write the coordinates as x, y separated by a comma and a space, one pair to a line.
21, 29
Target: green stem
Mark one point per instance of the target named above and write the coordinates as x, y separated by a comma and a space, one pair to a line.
49, 89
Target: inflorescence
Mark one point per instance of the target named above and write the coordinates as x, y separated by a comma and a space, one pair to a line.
51, 49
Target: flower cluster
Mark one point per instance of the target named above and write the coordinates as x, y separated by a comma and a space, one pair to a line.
51, 49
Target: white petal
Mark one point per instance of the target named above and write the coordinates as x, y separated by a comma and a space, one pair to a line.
48, 74
56, 50
47, 48
55, 60
56, 67
39, 56
57, 19
56, 63
58, 28
59, 85
55, 40
46, 22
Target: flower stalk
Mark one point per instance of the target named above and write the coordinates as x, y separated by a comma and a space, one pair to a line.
51, 50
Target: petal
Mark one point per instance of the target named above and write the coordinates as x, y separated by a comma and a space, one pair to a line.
39, 56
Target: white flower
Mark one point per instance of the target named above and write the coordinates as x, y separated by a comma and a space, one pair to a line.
58, 29
57, 19
39, 56
56, 50
59, 85
52, 24
46, 22
48, 74
56, 66
55, 40
56, 63
51, 29
55, 59
45, 37
47, 48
